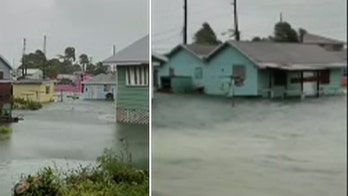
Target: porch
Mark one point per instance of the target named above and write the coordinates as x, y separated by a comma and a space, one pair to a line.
301, 83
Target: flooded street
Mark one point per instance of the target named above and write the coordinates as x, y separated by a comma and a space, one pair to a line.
66, 134
203, 146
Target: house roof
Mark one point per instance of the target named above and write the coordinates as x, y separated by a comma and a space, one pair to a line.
289, 56
32, 81
7, 64
198, 50
102, 79
159, 57
342, 54
135, 53
309, 38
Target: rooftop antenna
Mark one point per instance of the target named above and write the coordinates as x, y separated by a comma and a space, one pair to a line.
114, 50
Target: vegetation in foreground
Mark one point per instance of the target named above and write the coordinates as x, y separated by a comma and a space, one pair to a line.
22, 104
5, 130
112, 175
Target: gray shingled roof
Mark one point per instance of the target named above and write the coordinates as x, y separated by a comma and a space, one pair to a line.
102, 79
135, 53
5, 62
342, 54
159, 57
309, 38
291, 56
201, 50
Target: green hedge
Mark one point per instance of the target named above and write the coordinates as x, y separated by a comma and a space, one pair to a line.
22, 104
112, 175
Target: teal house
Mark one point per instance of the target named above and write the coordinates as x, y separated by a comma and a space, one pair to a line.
132, 87
184, 68
256, 69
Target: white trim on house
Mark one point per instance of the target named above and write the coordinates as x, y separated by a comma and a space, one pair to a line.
137, 76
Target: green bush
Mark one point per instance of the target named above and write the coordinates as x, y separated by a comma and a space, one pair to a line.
110, 176
20, 103
5, 130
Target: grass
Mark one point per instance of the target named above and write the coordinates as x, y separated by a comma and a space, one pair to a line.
5, 130
111, 175
22, 104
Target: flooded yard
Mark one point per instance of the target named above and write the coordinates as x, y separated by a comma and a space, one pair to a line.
66, 134
204, 146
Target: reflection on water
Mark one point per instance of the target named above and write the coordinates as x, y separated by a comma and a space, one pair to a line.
259, 147
71, 132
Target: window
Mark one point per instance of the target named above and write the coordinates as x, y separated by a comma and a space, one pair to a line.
239, 71
48, 89
279, 78
324, 77
198, 73
171, 72
137, 76
1, 75
107, 87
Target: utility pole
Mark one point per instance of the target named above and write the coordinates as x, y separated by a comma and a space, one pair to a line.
281, 17
236, 30
23, 62
185, 23
113, 50
44, 65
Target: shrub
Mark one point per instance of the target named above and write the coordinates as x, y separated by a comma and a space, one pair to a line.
20, 103
5, 130
110, 176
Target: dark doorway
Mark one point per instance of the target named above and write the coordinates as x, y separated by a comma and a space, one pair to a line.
109, 96
166, 83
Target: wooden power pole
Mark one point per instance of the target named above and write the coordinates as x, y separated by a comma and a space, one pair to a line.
23, 62
236, 29
44, 63
185, 23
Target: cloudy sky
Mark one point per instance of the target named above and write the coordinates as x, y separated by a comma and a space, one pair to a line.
256, 18
91, 26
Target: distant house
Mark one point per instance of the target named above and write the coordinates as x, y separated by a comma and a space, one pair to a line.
132, 98
183, 67
102, 86
34, 90
327, 43
264, 69
158, 61
5, 69
5, 88
31, 74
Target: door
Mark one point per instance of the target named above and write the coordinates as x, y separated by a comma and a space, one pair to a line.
309, 86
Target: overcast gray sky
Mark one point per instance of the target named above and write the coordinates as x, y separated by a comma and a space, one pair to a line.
256, 18
91, 26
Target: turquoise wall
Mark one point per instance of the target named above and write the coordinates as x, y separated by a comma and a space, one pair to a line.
130, 97
184, 64
217, 70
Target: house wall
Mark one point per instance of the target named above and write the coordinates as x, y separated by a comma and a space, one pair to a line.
6, 71
96, 91
184, 64
132, 102
34, 92
220, 67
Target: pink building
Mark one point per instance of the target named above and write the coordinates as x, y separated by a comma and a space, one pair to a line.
77, 88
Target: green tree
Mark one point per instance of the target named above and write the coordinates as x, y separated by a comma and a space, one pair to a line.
100, 68
301, 33
84, 61
283, 32
206, 35
69, 54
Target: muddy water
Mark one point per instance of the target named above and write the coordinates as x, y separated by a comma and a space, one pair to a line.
203, 146
66, 134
